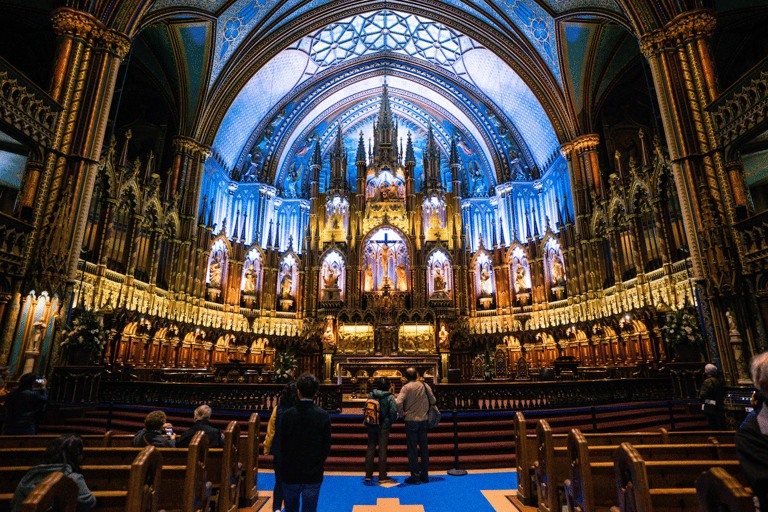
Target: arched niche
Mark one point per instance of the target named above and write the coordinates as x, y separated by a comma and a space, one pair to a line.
386, 260
554, 265
287, 282
520, 275
333, 276
439, 275
218, 264
253, 271
485, 282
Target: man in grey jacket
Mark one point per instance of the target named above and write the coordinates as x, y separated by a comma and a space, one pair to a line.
413, 404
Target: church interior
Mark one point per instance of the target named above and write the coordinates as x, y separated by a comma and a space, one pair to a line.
535, 203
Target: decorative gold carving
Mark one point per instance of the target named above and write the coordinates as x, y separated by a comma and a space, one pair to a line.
189, 146
687, 26
588, 142
416, 338
355, 339
68, 22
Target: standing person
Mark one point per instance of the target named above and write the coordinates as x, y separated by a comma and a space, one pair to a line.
65, 455
413, 403
379, 434
288, 398
156, 432
305, 442
712, 395
752, 437
24, 405
202, 422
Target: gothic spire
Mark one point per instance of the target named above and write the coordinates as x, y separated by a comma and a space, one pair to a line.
454, 160
316, 156
201, 220
409, 156
385, 114
242, 228
360, 158
501, 233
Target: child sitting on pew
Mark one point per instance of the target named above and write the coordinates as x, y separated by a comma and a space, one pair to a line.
65, 455
156, 432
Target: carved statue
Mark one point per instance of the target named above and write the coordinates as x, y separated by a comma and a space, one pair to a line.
329, 339
368, 285
439, 280
558, 274
520, 284
486, 286
331, 280
250, 280
285, 287
478, 183
402, 282
215, 273
385, 265
292, 182
443, 336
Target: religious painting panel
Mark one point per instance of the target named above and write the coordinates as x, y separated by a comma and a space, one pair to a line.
416, 339
332, 277
355, 339
385, 186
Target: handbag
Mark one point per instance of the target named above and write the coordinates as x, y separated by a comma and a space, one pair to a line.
433, 414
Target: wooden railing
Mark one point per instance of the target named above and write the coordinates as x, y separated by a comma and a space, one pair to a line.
511, 396
251, 397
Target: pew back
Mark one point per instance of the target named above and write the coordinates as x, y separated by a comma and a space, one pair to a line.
56, 493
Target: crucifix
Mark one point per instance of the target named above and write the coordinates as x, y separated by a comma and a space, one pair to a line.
385, 257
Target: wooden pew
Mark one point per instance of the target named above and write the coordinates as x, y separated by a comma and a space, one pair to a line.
183, 487
590, 485
56, 493
525, 460
43, 440
718, 491
660, 485
231, 470
552, 464
248, 449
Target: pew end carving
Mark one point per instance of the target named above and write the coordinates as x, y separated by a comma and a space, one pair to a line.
57, 493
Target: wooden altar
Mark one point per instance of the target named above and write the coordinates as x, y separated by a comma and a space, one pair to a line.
387, 366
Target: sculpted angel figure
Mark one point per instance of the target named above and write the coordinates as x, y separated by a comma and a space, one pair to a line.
368, 279
402, 283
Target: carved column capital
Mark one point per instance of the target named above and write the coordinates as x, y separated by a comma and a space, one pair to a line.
188, 146
687, 26
586, 143
72, 23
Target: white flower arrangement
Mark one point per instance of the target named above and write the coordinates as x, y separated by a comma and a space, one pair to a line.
682, 329
86, 331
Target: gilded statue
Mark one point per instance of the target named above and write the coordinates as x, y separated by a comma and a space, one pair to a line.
520, 284
558, 275
329, 339
286, 284
368, 283
215, 275
385, 265
331, 280
250, 280
486, 286
443, 336
439, 280
402, 281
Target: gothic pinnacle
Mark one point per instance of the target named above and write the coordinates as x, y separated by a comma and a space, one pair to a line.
360, 157
316, 156
454, 160
409, 156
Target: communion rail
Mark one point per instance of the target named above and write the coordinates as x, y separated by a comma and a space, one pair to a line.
473, 396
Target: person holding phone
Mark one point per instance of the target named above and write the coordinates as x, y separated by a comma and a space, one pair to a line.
156, 432
24, 405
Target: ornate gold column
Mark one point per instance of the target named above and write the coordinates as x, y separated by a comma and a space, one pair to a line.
684, 77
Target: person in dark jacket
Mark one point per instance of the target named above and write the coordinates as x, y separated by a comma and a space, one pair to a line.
156, 432
24, 405
712, 396
379, 434
65, 455
752, 437
288, 398
202, 423
305, 442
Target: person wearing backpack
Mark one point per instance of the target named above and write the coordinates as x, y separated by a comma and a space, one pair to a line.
379, 414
